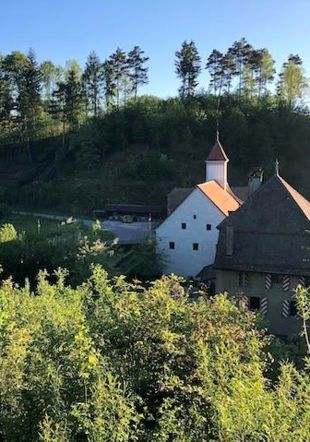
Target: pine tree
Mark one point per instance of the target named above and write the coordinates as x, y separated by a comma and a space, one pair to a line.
137, 70
109, 82
240, 52
6, 101
92, 81
74, 99
215, 67
188, 68
57, 107
29, 99
259, 71
119, 66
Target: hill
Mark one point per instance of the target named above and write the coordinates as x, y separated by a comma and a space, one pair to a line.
142, 150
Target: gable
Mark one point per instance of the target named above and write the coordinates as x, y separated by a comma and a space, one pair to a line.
274, 208
195, 203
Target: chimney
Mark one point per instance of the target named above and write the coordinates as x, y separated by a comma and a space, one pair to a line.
255, 179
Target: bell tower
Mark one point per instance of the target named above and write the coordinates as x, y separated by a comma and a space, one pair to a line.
216, 164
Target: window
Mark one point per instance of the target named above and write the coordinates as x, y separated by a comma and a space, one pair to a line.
292, 308
195, 216
208, 226
276, 279
254, 303
195, 246
171, 245
183, 226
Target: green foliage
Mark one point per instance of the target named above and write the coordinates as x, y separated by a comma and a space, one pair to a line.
7, 233
48, 247
112, 361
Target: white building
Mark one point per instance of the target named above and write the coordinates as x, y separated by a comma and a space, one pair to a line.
188, 237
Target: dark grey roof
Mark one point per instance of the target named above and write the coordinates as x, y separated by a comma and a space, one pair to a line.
271, 232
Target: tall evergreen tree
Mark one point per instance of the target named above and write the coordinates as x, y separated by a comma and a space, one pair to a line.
74, 99
6, 101
119, 66
240, 53
109, 82
215, 67
57, 107
188, 68
29, 98
92, 81
137, 70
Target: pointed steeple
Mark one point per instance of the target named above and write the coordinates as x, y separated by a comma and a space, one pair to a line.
216, 164
217, 152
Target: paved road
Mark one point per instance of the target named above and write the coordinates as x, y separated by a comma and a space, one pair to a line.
132, 233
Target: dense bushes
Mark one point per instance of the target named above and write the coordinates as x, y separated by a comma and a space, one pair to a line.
110, 361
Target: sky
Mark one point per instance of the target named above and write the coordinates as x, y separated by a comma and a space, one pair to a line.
60, 30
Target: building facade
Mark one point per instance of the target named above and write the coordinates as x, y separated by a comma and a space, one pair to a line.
187, 238
263, 253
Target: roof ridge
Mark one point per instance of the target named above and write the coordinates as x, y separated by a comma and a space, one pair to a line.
301, 201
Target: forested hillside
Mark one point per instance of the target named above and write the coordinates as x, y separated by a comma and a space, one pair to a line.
73, 138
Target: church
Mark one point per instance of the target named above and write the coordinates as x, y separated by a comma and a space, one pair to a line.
187, 238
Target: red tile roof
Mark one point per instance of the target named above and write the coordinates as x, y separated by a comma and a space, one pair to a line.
222, 199
217, 153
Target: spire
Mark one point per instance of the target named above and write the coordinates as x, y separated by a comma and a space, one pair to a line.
276, 170
217, 152
216, 164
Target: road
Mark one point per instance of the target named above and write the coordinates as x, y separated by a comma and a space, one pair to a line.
131, 233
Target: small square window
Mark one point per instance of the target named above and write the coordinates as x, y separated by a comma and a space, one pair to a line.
195, 246
254, 303
293, 308
276, 279
208, 226
171, 245
183, 226
195, 216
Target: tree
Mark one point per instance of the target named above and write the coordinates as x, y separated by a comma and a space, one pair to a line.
57, 108
240, 52
74, 99
92, 81
292, 81
188, 68
119, 65
264, 69
137, 71
51, 74
215, 67
6, 100
109, 82
29, 98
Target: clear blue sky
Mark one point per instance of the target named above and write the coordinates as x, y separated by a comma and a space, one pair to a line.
60, 30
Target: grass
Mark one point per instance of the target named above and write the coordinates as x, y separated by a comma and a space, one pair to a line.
33, 225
